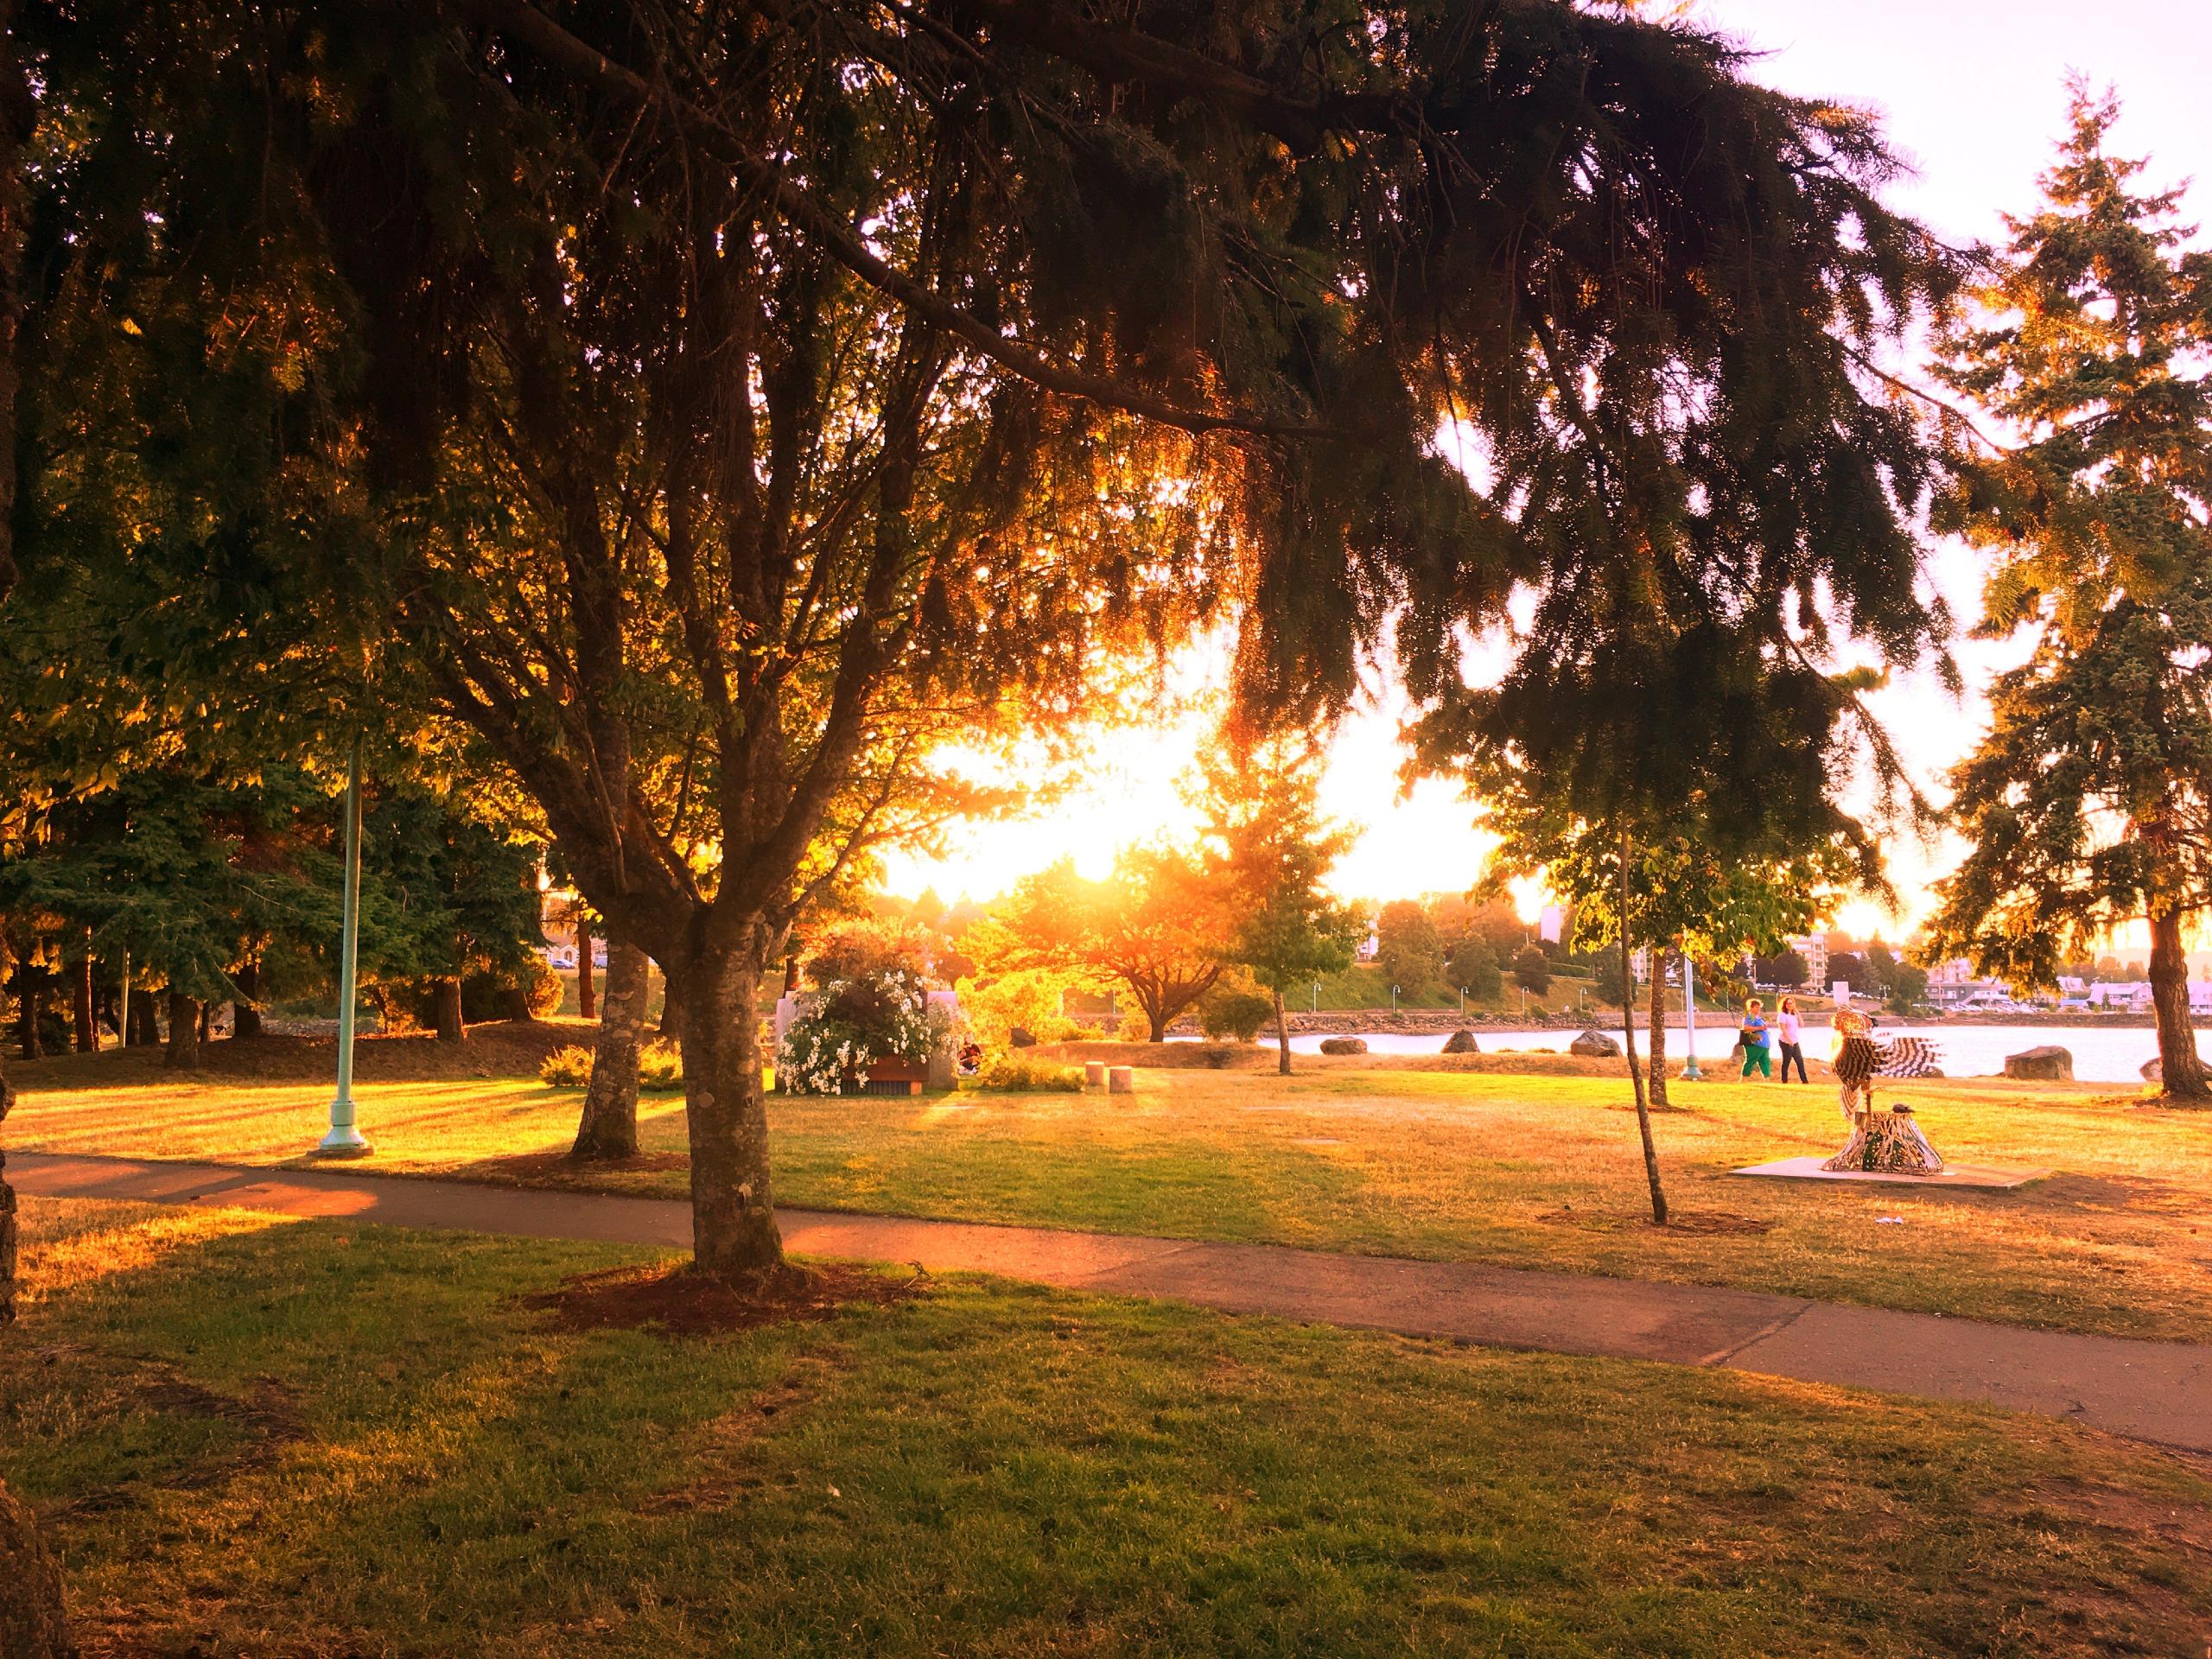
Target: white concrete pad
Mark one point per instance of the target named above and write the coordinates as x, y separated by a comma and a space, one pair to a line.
1809, 1169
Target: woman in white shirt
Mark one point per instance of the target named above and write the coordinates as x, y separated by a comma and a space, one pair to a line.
1792, 1048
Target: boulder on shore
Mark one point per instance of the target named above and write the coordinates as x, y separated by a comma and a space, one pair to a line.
1020, 1038
1595, 1045
2046, 1064
1461, 1041
2154, 1071
31, 1625
1343, 1046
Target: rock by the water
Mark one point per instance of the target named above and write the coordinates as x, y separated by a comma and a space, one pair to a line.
1595, 1045
2047, 1063
1343, 1046
1019, 1038
31, 1625
1461, 1041
2154, 1071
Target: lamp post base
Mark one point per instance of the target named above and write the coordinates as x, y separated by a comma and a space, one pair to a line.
344, 1141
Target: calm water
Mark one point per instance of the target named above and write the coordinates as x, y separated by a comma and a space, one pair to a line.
2114, 1055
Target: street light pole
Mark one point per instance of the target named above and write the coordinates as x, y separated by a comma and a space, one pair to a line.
1689, 1014
344, 1139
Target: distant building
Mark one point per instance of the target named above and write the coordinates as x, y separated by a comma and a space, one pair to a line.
1957, 971
1551, 923
2133, 995
1814, 947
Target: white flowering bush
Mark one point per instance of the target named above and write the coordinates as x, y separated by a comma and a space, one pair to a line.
849, 1025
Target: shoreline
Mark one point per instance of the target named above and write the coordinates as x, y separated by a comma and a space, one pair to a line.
1444, 1021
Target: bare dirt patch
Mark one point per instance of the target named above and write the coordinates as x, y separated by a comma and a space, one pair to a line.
1701, 1223
110, 1387
718, 1467
680, 1303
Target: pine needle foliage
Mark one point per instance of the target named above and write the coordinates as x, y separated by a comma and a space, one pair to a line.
2089, 802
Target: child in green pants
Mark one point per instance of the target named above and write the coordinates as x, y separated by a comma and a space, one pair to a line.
1755, 1038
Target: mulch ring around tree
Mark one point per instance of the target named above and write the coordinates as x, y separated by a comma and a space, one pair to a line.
680, 1303
1699, 1223
558, 1169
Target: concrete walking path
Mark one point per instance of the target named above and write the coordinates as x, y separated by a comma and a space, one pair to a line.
2153, 1390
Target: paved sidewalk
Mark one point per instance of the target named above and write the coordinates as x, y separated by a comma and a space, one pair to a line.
2153, 1390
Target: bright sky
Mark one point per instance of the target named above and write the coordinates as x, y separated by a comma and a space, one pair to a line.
1971, 92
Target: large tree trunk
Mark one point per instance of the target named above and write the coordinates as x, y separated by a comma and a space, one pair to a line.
1628, 1038
608, 1127
183, 1052
245, 1012
145, 1020
734, 1232
1659, 959
445, 1009
672, 1007
1282, 1038
2181, 1069
588, 994
80, 1008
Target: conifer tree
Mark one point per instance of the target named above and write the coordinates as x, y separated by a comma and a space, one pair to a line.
2089, 802
1274, 849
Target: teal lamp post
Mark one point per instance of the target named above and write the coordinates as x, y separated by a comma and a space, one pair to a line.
345, 1139
1689, 1016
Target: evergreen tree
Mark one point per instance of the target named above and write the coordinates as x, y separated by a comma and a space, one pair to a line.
462, 901
2089, 804
1275, 851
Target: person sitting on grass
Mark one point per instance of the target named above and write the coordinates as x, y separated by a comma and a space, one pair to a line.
1756, 1034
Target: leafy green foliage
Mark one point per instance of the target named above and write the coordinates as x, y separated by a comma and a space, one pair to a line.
1532, 970
1156, 925
1406, 947
1234, 1012
566, 1068
660, 1068
1024, 1074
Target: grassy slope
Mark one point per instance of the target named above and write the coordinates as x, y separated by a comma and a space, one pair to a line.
295, 1438
1533, 1171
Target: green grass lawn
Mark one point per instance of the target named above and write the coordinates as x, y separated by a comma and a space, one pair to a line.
250, 1436
1529, 1171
